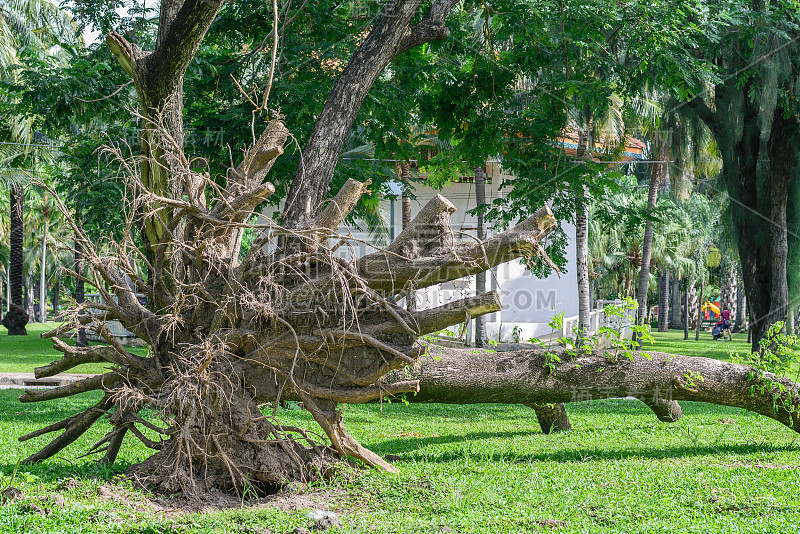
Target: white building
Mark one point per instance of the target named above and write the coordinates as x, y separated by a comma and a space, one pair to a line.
529, 303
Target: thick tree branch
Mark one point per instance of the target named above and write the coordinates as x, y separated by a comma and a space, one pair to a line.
430, 28
75, 356
177, 45
462, 377
73, 428
390, 273
258, 159
340, 206
701, 109
87, 384
436, 319
390, 36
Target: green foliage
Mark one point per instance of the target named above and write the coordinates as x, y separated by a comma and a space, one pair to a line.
776, 353
775, 358
640, 333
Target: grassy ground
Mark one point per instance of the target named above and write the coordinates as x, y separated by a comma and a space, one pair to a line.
21, 354
483, 469
672, 342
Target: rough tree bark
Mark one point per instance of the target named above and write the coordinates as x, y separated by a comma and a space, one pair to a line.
406, 196
582, 243
663, 301
16, 318
675, 308
685, 307
523, 377
56, 293
43, 274
699, 322
411, 299
80, 287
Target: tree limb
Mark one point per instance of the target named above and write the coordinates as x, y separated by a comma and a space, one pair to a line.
461, 377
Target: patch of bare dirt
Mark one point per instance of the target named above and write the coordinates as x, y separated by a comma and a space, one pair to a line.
167, 507
10, 494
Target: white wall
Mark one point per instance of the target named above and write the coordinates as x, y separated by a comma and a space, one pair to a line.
528, 302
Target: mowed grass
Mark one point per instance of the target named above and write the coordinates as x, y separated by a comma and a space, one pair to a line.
21, 354
672, 342
481, 468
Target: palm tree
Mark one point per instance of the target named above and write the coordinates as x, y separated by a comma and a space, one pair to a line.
45, 253
37, 27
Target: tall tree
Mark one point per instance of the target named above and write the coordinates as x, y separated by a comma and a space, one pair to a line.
17, 317
658, 177
37, 28
754, 119
480, 278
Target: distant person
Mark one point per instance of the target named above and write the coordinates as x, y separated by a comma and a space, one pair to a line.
726, 323
722, 326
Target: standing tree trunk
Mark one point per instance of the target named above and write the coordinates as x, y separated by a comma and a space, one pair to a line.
406, 196
480, 278
32, 290
686, 303
16, 318
56, 293
80, 289
582, 246
782, 155
43, 279
728, 288
675, 308
582, 269
411, 298
699, 323
691, 311
741, 309
658, 175
663, 302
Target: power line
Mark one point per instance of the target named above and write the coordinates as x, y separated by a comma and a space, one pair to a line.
31, 144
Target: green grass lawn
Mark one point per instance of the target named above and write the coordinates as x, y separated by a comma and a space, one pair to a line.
672, 342
482, 468
21, 354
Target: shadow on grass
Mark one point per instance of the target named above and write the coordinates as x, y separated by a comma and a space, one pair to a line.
413, 452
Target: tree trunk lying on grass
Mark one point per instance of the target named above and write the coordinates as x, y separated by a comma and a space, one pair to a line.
459, 376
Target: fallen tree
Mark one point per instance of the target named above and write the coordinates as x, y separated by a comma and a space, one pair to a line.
297, 314
459, 376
